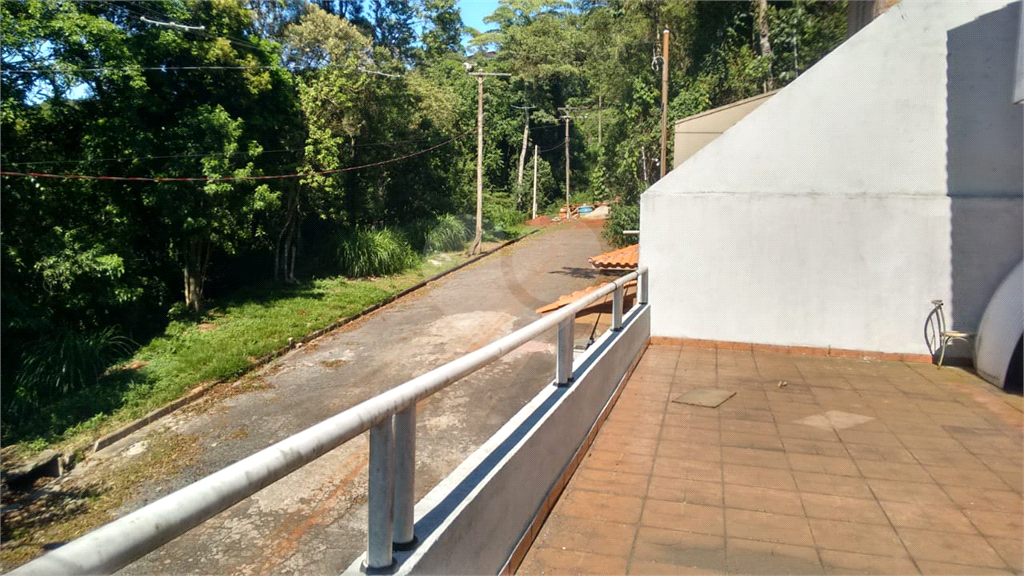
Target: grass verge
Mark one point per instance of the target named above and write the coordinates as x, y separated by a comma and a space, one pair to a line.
232, 335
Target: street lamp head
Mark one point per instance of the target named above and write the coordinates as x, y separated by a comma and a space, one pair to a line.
468, 66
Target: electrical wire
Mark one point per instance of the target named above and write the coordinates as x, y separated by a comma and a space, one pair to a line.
142, 69
555, 147
539, 128
203, 33
235, 41
206, 155
228, 178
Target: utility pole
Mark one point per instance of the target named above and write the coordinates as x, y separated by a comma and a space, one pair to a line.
664, 99
534, 181
567, 120
480, 157
600, 106
567, 117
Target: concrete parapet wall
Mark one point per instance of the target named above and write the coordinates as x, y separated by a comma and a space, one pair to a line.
473, 520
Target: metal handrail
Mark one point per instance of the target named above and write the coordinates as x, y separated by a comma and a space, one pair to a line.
391, 419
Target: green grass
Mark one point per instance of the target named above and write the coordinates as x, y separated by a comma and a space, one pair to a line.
226, 342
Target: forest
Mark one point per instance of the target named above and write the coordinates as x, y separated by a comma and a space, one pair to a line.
161, 156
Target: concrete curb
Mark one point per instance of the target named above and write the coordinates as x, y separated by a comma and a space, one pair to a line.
199, 392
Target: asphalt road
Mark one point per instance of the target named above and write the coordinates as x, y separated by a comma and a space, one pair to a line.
314, 521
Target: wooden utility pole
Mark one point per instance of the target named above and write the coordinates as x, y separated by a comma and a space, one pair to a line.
480, 157
534, 181
600, 106
567, 119
664, 99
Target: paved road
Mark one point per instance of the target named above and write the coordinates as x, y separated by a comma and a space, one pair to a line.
313, 522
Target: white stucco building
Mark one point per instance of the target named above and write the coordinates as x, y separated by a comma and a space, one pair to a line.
887, 176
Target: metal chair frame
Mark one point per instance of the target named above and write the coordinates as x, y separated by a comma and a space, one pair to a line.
937, 337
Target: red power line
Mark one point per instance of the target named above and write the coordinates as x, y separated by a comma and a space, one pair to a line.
226, 178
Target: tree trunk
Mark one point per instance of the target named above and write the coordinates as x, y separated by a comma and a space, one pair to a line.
197, 258
643, 165
286, 240
766, 44
522, 163
290, 278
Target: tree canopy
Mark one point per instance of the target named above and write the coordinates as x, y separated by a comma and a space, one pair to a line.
249, 137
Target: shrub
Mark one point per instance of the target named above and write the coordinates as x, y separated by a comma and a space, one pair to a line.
366, 252
64, 361
502, 221
623, 217
449, 234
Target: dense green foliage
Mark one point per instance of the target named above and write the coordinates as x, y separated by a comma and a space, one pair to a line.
448, 233
363, 252
228, 90
220, 344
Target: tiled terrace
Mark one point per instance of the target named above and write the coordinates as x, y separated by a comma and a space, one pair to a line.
816, 466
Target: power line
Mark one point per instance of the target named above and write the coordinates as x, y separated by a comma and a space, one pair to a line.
173, 24
226, 178
378, 73
559, 145
169, 68
192, 29
539, 128
204, 155
163, 157
136, 69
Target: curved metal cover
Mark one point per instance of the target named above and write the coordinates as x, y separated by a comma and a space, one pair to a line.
1001, 328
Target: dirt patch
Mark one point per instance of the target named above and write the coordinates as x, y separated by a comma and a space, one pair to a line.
65, 509
332, 363
206, 327
213, 399
593, 224
540, 221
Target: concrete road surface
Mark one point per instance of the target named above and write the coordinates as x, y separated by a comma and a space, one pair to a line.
314, 521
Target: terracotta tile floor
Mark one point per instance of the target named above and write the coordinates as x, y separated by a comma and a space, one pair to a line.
815, 466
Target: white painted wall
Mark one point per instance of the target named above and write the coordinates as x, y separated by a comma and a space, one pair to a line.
886, 176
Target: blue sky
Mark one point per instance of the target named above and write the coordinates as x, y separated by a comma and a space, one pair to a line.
473, 12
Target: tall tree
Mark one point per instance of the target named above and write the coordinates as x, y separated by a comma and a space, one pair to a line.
393, 27
326, 52
443, 33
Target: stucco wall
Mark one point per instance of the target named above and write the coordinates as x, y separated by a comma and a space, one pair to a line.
886, 176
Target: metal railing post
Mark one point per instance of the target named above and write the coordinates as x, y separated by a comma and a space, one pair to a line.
381, 498
617, 304
405, 478
643, 284
563, 361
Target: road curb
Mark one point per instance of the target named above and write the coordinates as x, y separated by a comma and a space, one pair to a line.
200, 391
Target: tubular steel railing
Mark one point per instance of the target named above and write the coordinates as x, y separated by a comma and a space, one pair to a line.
391, 419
